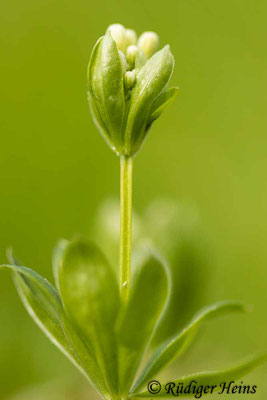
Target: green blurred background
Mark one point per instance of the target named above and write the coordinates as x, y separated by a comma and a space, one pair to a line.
208, 149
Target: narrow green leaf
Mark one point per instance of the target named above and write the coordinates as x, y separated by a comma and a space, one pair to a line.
105, 78
90, 296
151, 81
43, 304
163, 101
168, 351
147, 300
215, 378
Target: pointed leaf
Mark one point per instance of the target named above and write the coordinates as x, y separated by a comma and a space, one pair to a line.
42, 302
105, 78
90, 296
167, 352
151, 81
215, 378
44, 305
147, 300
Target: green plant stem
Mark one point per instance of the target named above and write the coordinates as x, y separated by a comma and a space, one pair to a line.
126, 163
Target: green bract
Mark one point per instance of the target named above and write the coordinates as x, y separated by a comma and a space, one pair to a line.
128, 86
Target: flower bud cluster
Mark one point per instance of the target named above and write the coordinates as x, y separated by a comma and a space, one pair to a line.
129, 47
128, 81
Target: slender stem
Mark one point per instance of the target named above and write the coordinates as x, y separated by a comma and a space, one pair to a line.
125, 224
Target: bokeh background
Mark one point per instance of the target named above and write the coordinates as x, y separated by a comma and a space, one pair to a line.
208, 150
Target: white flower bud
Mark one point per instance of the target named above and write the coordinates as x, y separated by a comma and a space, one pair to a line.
123, 61
131, 37
118, 34
131, 54
148, 42
129, 79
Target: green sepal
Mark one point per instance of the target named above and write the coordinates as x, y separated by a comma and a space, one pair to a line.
151, 81
148, 296
170, 350
209, 378
90, 296
105, 82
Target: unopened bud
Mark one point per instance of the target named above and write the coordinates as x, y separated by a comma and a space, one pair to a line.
128, 90
148, 43
131, 54
118, 34
129, 79
131, 37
